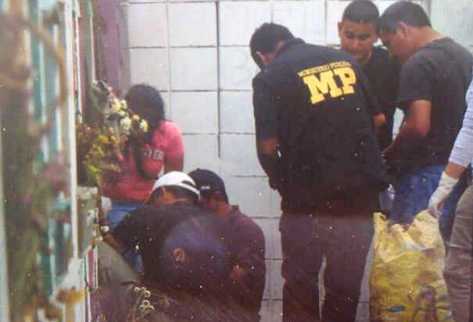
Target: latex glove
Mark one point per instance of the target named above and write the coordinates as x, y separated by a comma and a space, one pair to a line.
439, 196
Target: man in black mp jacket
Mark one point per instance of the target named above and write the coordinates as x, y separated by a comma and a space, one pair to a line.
316, 143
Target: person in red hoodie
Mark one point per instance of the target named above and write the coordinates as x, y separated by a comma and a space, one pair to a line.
143, 160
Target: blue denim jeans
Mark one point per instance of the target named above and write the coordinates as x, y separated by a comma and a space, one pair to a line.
413, 191
119, 210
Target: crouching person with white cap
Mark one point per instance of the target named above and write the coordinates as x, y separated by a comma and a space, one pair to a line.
185, 263
172, 188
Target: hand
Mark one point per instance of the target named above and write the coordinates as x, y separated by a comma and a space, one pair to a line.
440, 195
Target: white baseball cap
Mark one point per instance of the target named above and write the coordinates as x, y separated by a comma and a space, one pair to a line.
176, 179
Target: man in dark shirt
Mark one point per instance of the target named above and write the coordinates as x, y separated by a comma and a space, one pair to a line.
186, 264
358, 34
316, 143
243, 238
435, 75
172, 202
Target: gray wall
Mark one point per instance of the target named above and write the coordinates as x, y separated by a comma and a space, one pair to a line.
455, 19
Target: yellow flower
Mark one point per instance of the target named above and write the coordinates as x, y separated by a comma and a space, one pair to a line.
124, 105
115, 106
125, 124
144, 126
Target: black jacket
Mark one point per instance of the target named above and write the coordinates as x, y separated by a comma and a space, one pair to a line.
315, 101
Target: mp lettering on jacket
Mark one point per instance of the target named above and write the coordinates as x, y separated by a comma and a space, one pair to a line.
331, 80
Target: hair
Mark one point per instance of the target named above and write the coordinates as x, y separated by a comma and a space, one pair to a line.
410, 13
266, 38
145, 101
361, 11
207, 265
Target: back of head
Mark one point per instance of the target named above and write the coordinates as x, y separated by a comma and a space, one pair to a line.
361, 11
266, 38
412, 14
205, 265
209, 184
146, 101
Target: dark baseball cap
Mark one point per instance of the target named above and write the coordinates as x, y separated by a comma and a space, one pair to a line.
208, 182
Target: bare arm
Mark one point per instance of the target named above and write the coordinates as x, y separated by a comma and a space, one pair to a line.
416, 126
454, 170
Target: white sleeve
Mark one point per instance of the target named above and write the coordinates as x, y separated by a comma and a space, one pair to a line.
462, 153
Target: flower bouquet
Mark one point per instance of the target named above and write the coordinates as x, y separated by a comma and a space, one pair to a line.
101, 146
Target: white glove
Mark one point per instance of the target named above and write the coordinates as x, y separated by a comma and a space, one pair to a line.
439, 196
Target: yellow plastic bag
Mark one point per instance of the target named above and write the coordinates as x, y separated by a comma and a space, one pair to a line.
406, 281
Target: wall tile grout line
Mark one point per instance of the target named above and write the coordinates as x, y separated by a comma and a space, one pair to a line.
219, 87
168, 39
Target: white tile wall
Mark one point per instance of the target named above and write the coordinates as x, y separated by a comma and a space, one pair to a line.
270, 227
194, 69
236, 112
305, 19
145, 1
149, 65
192, 0
267, 285
275, 203
210, 91
195, 112
334, 16
239, 19
276, 314
460, 26
147, 25
239, 158
382, 5
250, 193
276, 282
192, 24
167, 105
237, 69
201, 151
265, 311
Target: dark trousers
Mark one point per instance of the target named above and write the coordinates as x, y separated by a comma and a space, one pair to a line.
344, 241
